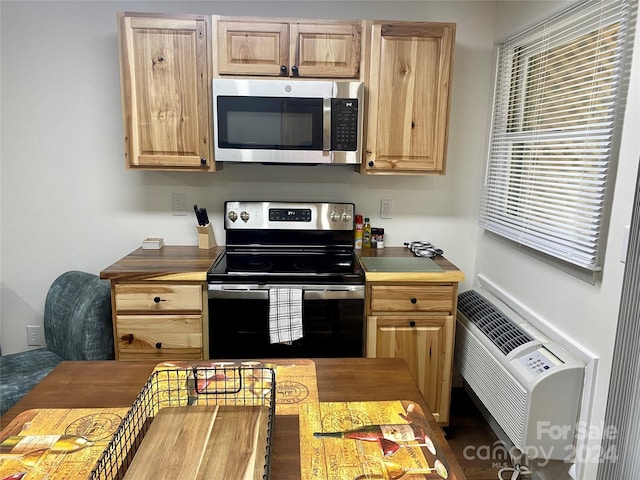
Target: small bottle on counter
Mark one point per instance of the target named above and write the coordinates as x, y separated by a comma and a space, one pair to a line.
380, 241
357, 244
366, 233
374, 237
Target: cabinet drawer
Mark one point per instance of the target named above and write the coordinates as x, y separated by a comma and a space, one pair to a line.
155, 336
412, 298
161, 297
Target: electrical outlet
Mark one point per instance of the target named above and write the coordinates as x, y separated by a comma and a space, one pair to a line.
385, 208
33, 335
179, 204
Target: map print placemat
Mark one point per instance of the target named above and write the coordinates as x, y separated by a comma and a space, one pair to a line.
295, 382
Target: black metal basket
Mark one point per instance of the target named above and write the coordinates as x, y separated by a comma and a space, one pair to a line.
246, 384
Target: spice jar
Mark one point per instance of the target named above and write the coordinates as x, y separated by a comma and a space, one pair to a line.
380, 240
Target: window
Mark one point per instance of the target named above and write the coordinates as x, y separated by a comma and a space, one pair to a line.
560, 88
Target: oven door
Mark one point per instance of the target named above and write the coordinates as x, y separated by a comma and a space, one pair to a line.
332, 322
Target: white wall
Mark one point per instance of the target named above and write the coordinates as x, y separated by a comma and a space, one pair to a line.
586, 313
68, 202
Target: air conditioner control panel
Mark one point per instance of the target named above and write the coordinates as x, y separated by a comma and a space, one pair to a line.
539, 361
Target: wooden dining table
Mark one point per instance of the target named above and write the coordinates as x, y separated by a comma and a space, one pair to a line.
109, 384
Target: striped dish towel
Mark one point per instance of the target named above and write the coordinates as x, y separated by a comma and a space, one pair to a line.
285, 315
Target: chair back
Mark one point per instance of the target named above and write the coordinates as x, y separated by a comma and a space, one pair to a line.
77, 317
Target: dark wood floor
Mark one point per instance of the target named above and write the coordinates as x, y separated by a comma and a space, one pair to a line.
472, 440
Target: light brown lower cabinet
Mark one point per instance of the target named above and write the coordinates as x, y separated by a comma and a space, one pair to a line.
416, 322
162, 321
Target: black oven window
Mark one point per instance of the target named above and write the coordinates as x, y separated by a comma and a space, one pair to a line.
240, 329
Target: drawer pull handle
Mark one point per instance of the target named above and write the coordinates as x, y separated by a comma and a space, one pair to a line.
158, 345
158, 300
414, 300
412, 323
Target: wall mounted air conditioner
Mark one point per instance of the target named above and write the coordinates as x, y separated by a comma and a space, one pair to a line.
529, 385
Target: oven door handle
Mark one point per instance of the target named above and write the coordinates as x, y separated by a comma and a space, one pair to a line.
333, 294
246, 292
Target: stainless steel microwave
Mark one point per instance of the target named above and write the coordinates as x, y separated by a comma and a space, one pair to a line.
287, 121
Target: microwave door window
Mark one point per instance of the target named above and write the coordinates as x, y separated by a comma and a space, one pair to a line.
296, 130
270, 123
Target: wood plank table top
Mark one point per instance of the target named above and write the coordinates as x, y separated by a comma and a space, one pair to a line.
87, 384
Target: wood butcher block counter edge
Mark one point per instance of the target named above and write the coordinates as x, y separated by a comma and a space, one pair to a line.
189, 263
169, 263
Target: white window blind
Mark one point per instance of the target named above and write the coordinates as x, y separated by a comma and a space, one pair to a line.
559, 86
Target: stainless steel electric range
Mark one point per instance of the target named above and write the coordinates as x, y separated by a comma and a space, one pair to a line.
287, 246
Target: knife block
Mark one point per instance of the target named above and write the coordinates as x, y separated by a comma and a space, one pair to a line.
206, 240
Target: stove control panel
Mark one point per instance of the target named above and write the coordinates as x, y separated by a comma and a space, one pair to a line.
289, 216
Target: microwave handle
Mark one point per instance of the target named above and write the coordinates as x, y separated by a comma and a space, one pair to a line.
326, 124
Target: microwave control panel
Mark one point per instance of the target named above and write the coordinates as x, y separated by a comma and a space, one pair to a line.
344, 124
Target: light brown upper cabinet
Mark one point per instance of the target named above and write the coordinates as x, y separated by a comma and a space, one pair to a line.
410, 68
165, 77
286, 48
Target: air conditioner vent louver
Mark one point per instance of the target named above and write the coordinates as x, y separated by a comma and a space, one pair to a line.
504, 334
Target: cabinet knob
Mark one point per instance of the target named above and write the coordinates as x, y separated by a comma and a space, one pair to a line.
203, 161
371, 163
294, 70
414, 300
157, 300
412, 323
283, 70
159, 345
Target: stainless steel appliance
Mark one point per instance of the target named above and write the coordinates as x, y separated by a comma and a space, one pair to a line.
287, 245
287, 121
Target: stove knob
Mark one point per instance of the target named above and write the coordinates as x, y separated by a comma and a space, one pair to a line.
334, 216
233, 216
345, 217
244, 215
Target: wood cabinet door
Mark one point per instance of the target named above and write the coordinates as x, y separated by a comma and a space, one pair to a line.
165, 76
252, 48
426, 344
410, 75
325, 50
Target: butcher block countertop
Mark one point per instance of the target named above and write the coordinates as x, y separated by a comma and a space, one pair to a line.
399, 264
190, 263
180, 263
